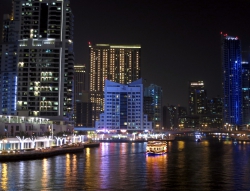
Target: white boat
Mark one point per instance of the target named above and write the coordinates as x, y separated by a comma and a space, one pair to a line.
156, 147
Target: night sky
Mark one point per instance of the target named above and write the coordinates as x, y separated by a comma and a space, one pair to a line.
180, 39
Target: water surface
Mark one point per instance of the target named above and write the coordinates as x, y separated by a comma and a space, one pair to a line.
209, 165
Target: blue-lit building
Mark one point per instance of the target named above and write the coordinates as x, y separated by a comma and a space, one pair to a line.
8, 68
232, 80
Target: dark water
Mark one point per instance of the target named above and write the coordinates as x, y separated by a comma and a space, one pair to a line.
209, 165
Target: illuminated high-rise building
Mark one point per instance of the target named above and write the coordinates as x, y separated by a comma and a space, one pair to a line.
43, 82
232, 80
114, 62
197, 98
8, 66
123, 108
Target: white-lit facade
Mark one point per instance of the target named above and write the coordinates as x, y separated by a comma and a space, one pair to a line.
123, 108
12, 126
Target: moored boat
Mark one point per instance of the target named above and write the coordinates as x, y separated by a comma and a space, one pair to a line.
156, 147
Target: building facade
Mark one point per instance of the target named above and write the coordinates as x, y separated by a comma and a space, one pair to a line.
215, 106
8, 66
148, 107
117, 63
123, 108
79, 86
12, 126
197, 98
169, 117
155, 92
83, 114
245, 92
43, 81
232, 80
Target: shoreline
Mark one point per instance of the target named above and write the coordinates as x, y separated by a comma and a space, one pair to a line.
133, 141
45, 153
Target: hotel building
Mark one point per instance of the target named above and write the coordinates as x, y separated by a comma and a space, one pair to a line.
117, 63
123, 108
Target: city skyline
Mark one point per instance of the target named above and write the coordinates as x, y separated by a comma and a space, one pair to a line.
176, 37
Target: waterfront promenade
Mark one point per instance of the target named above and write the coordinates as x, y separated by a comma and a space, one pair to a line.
31, 154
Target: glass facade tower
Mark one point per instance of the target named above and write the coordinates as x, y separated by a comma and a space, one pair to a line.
232, 80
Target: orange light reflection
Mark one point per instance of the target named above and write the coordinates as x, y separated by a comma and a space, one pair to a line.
4, 177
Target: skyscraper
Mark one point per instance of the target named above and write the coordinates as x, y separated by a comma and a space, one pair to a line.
117, 63
44, 78
232, 80
197, 98
155, 92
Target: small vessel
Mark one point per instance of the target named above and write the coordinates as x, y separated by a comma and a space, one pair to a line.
156, 148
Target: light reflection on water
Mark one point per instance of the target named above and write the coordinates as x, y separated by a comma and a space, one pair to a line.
188, 165
4, 177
